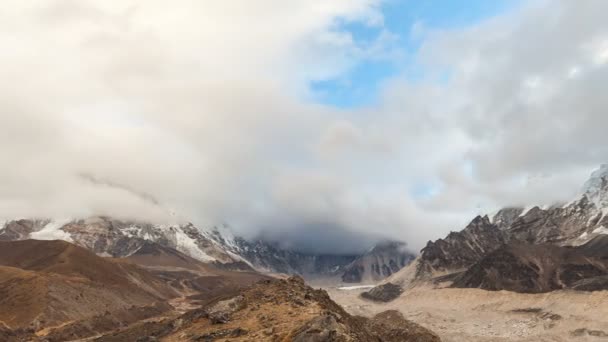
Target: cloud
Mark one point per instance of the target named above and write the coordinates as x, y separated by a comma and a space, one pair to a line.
206, 108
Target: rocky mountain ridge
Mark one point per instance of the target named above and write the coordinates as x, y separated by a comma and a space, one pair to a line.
119, 239
576, 223
572, 224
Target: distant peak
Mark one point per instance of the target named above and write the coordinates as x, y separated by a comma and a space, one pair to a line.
601, 172
480, 220
596, 187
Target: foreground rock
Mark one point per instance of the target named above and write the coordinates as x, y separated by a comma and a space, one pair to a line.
277, 310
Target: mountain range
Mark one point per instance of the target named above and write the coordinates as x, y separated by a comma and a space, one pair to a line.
218, 246
57, 291
520, 249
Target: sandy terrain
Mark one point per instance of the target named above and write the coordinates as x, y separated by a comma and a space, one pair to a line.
476, 315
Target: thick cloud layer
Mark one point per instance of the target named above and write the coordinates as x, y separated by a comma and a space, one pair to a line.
138, 109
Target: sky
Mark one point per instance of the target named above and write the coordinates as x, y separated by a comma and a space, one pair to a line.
325, 125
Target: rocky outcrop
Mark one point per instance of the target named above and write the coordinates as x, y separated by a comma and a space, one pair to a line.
390, 325
383, 293
278, 310
378, 263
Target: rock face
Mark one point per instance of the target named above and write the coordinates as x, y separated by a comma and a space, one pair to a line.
568, 225
278, 310
379, 263
460, 249
539, 268
506, 216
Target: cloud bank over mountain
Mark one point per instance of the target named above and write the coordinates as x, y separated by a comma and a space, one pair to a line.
137, 109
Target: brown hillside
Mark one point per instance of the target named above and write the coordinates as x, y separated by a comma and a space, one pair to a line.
276, 310
47, 283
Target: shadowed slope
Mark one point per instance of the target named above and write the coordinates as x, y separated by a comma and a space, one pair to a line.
538, 268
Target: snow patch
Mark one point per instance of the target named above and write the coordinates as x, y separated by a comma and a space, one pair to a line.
53, 231
576, 200
601, 230
356, 287
526, 209
186, 244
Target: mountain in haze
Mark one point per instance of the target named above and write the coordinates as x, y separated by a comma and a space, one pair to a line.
218, 246
577, 223
381, 261
270, 257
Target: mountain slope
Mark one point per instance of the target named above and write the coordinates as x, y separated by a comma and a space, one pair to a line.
459, 249
45, 283
538, 268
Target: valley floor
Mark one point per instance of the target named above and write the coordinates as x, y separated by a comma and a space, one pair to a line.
475, 315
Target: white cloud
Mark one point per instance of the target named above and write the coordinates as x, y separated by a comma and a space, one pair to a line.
205, 108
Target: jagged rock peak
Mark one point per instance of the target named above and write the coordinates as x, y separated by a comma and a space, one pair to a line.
479, 221
506, 216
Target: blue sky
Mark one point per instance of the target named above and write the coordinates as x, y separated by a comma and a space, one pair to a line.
360, 85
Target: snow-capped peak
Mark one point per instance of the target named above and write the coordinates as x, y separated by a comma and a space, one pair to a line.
596, 187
